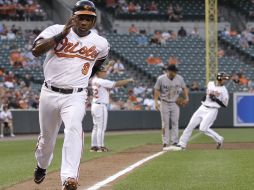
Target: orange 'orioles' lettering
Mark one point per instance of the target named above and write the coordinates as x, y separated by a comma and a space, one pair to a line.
68, 49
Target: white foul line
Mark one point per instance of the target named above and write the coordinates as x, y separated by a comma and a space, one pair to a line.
195, 136
126, 170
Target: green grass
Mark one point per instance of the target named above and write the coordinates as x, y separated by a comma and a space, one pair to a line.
17, 159
194, 170
230, 135
198, 169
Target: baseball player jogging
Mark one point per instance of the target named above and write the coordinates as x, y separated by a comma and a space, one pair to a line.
168, 87
216, 97
73, 54
99, 111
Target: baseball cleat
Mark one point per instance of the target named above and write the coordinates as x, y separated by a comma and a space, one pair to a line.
164, 146
39, 174
94, 149
174, 148
103, 149
70, 184
219, 144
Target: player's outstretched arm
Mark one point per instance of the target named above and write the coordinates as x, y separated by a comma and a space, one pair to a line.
123, 82
42, 45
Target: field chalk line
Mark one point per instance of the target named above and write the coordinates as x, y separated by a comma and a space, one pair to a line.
128, 169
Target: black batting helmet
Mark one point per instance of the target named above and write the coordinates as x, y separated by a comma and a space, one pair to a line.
84, 7
223, 76
102, 69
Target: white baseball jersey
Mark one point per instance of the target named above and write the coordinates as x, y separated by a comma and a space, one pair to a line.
67, 65
219, 91
82, 52
101, 89
6, 116
206, 114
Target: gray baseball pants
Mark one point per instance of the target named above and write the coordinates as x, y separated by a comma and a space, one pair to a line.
169, 114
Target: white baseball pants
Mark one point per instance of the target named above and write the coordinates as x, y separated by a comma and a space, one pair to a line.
54, 108
100, 118
204, 117
170, 113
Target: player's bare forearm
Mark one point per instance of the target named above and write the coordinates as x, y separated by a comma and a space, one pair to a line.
215, 99
123, 82
42, 46
96, 66
186, 94
156, 97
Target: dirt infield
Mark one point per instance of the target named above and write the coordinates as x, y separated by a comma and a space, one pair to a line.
97, 170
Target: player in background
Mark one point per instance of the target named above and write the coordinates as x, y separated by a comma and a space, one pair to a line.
101, 88
168, 87
73, 54
6, 120
216, 97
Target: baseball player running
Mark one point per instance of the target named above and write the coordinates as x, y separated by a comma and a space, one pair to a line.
101, 88
73, 54
168, 87
216, 97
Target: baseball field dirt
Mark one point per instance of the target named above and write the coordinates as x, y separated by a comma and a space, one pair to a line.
98, 169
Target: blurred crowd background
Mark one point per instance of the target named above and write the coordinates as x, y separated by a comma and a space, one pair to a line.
136, 50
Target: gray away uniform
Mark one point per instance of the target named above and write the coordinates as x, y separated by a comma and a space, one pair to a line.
169, 92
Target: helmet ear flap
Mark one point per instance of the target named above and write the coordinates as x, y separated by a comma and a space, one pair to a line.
94, 21
218, 76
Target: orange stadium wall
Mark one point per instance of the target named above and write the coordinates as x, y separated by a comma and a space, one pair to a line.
26, 121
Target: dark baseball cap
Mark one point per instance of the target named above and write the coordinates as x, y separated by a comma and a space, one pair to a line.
172, 68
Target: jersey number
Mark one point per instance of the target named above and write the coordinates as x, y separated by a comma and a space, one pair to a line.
85, 68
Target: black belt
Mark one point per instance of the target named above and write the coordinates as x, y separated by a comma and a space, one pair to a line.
167, 101
100, 103
63, 90
209, 106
